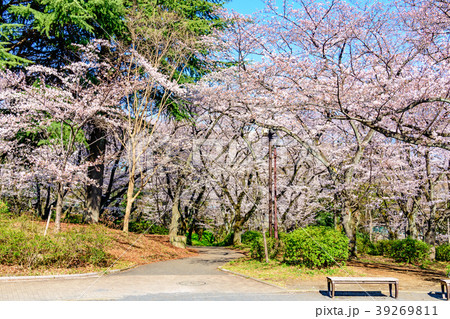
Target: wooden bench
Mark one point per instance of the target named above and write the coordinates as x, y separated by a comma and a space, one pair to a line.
445, 283
332, 281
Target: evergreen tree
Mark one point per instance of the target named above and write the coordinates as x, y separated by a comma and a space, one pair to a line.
44, 31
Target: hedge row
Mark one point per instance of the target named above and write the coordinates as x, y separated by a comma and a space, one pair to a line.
319, 246
314, 247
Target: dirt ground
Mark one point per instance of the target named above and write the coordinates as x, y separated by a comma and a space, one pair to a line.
411, 278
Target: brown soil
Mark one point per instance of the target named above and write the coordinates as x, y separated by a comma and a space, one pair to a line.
127, 250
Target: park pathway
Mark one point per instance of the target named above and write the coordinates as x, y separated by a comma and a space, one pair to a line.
188, 279
195, 278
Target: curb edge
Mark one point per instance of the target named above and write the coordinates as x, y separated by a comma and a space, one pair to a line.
67, 276
249, 277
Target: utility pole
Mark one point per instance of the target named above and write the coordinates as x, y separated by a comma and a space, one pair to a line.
270, 135
275, 191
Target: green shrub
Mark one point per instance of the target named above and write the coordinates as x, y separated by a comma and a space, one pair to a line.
4, 209
250, 236
227, 240
206, 239
363, 244
324, 218
381, 248
409, 250
315, 246
74, 218
443, 252
274, 248
28, 247
146, 226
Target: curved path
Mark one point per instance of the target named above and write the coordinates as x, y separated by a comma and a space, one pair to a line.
195, 278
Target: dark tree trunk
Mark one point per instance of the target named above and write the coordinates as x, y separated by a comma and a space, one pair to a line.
38, 206
189, 234
47, 205
97, 146
106, 198
430, 235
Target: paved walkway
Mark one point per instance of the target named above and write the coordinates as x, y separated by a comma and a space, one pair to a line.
196, 278
196, 275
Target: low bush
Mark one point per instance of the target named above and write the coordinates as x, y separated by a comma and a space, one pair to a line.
250, 236
27, 247
409, 250
381, 248
74, 219
226, 241
146, 226
4, 209
206, 239
274, 248
315, 247
443, 252
364, 245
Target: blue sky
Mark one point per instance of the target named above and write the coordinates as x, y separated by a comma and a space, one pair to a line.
245, 6
250, 6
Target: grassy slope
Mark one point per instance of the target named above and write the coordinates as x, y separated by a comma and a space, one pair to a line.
124, 250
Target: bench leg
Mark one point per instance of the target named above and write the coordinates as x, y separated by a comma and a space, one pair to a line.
390, 290
448, 293
333, 289
328, 288
443, 290
396, 290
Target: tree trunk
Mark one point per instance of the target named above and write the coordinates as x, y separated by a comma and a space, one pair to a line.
370, 227
189, 235
430, 235
97, 145
106, 199
270, 185
349, 224
130, 193
47, 205
237, 233
393, 234
38, 205
448, 230
412, 227
174, 227
237, 237
59, 207
266, 253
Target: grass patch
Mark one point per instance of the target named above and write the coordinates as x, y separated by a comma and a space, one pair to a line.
23, 244
281, 274
24, 251
433, 265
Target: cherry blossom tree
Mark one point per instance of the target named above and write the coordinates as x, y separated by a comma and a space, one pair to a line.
56, 106
331, 75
